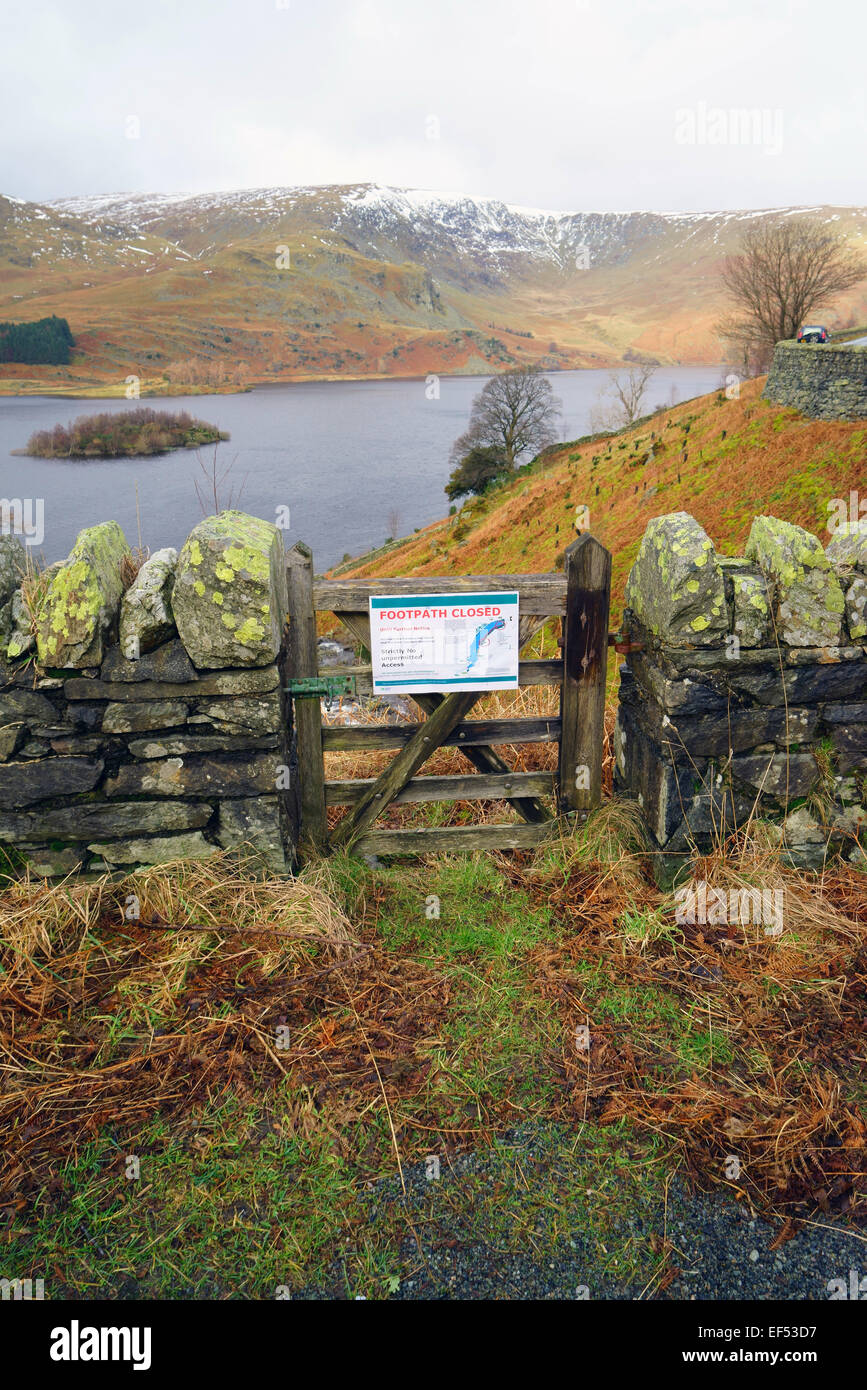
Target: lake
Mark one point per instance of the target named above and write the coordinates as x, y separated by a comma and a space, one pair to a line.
346, 458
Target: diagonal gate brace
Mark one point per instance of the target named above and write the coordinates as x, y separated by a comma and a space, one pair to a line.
482, 756
423, 743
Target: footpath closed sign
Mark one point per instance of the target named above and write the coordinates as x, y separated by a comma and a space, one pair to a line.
439, 642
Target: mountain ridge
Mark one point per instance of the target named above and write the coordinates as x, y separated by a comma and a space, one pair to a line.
352, 280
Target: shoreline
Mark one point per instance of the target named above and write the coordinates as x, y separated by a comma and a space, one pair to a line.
94, 391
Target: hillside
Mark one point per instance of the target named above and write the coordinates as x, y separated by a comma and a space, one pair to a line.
723, 460
187, 291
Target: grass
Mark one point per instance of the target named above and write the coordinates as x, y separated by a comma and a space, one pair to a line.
281, 1057
711, 457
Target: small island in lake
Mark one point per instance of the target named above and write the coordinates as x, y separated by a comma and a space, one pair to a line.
126, 434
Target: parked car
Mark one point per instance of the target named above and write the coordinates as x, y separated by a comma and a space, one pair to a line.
813, 333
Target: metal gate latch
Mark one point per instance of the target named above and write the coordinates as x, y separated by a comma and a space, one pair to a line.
327, 688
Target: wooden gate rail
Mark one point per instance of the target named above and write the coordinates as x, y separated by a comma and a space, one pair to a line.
455, 839
451, 787
541, 594
580, 596
549, 672
468, 733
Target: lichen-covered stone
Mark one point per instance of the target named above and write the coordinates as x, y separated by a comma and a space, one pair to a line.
136, 716
801, 828
229, 598
856, 608
850, 821
807, 597
5, 622
12, 566
20, 635
146, 617
11, 571
157, 850
802, 840
82, 599
752, 611
675, 588
847, 549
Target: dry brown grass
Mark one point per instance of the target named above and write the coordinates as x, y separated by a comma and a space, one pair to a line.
132, 563
783, 1095
106, 1020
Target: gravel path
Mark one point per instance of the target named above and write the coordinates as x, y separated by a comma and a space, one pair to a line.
721, 1252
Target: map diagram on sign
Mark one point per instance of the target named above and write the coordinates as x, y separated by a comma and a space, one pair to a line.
482, 635
439, 642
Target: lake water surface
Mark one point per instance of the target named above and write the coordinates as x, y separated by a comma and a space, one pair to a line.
342, 456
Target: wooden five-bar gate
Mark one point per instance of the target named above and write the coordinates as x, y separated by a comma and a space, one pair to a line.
579, 596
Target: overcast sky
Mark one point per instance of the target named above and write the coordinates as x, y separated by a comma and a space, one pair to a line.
562, 104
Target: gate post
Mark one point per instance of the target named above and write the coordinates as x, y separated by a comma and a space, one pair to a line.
585, 667
303, 661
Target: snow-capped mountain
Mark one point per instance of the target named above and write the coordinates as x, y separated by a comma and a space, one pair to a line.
491, 234
355, 279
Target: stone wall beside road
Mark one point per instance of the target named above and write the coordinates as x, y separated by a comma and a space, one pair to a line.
824, 381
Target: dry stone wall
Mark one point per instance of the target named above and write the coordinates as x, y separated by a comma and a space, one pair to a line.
144, 721
822, 380
744, 693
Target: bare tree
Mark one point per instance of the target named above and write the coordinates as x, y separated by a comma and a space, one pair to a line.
393, 520
208, 489
513, 413
621, 402
785, 273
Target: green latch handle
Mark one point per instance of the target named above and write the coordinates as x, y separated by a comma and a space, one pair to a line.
327, 688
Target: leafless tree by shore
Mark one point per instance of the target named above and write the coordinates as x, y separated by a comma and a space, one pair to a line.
515, 413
